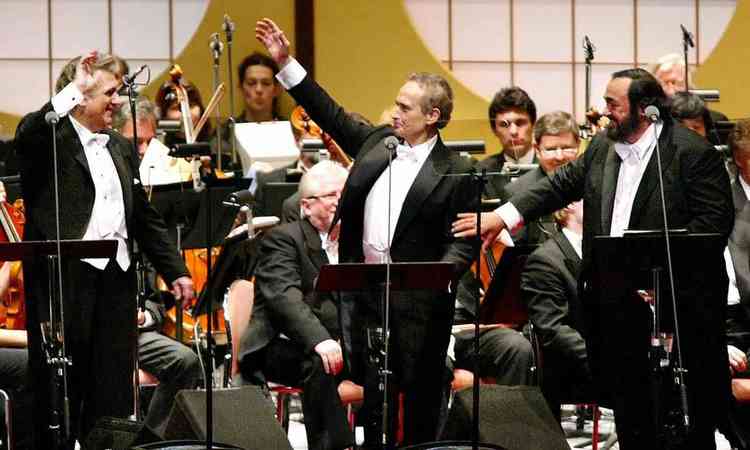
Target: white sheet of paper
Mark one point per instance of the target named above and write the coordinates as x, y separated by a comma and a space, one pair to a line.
269, 142
157, 167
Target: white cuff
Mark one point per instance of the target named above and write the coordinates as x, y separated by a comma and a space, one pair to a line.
66, 99
292, 74
149, 320
510, 215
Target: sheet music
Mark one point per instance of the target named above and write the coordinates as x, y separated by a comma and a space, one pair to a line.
269, 142
157, 167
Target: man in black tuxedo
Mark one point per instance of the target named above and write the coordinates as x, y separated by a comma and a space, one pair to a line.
294, 332
549, 288
415, 228
618, 182
101, 198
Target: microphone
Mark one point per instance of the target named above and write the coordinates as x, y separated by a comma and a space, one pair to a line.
238, 198
228, 27
687, 36
249, 220
216, 46
391, 142
652, 114
127, 80
51, 118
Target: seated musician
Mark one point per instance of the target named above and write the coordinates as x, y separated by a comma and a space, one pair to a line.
737, 257
505, 354
549, 287
512, 114
168, 108
293, 335
690, 110
172, 363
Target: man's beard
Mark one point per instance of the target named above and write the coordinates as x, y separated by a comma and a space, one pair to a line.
619, 132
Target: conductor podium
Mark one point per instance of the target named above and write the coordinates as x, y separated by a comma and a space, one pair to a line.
632, 334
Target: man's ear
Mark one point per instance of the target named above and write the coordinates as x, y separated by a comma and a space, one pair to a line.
433, 116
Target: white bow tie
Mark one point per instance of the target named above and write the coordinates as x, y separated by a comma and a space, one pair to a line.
100, 138
405, 153
625, 152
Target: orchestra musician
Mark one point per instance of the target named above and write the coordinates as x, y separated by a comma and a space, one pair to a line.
101, 197
294, 332
617, 179
505, 354
423, 203
168, 107
737, 256
549, 288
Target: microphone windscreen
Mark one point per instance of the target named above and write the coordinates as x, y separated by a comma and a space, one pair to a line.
391, 142
51, 117
652, 112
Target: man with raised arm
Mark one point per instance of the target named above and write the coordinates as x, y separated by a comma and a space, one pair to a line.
101, 198
423, 200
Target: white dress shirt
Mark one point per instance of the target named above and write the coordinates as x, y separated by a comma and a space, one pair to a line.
376, 235
108, 214
330, 247
635, 158
733, 296
575, 239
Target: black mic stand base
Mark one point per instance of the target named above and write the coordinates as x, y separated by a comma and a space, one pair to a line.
453, 445
184, 445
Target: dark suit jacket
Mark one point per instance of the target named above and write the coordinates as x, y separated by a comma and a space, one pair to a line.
34, 147
739, 243
549, 287
536, 232
699, 197
290, 209
285, 297
423, 230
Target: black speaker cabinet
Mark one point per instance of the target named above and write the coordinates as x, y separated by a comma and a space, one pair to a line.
513, 417
242, 417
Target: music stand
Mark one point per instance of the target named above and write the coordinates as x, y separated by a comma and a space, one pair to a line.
404, 277
621, 269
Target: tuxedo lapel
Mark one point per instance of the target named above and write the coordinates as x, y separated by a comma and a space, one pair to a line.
429, 176
739, 240
313, 244
609, 186
69, 136
650, 179
572, 260
362, 177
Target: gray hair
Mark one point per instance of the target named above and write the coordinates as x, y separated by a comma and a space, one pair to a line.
669, 61
312, 181
437, 94
555, 124
144, 110
106, 62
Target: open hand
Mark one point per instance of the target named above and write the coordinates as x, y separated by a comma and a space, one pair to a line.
182, 288
84, 79
273, 38
332, 356
466, 226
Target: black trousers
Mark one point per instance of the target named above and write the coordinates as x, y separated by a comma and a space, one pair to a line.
282, 361
504, 354
100, 333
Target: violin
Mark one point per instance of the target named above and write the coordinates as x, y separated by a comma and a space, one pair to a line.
176, 75
12, 303
302, 122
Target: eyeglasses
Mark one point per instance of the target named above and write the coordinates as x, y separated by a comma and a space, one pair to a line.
565, 151
329, 196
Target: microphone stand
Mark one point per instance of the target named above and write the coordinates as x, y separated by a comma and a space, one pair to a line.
53, 332
680, 371
139, 269
385, 371
228, 27
216, 48
687, 42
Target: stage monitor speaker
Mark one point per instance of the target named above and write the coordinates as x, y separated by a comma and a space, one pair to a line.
242, 417
114, 433
513, 417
